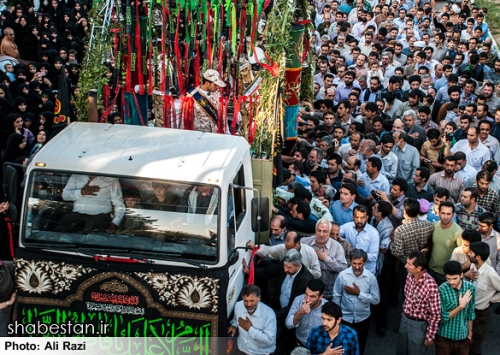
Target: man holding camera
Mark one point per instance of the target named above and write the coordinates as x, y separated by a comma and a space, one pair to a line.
396, 198
372, 180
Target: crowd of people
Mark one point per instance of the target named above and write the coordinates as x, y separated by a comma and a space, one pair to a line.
45, 43
392, 188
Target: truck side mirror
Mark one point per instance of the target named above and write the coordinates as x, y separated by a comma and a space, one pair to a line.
233, 257
263, 211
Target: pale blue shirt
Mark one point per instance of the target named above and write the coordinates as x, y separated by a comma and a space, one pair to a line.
368, 240
380, 183
408, 161
307, 322
286, 289
356, 308
260, 339
390, 165
340, 214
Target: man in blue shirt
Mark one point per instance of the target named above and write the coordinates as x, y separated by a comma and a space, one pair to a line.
332, 335
342, 209
362, 236
355, 290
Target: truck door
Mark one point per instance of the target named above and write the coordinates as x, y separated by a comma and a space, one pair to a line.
239, 232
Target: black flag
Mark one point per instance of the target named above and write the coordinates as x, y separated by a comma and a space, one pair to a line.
61, 110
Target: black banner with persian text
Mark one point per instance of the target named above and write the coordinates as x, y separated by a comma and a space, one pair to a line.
88, 298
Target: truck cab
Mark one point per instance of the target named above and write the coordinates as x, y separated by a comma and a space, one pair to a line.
137, 228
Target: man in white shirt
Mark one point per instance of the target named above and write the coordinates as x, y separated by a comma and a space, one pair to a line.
95, 198
362, 235
464, 170
487, 282
477, 153
292, 241
256, 323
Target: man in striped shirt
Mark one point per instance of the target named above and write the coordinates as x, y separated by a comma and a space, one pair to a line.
421, 308
458, 298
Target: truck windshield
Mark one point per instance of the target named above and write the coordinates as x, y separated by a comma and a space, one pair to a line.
112, 214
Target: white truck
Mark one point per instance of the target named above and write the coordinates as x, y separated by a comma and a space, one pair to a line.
139, 228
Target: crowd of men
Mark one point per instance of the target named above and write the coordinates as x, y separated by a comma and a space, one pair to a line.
392, 188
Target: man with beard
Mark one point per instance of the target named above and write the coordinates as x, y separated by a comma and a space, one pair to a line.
389, 159
366, 47
314, 160
443, 94
419, 187
370, 95
468, 211
424, 119
285, 281
359, 28
448, 180
489, 292
355, 290
334, 173
344, 118
477, 153
344, 89
495, 130
492, 100
323, 70
305, 312
255, 322
487, 198
494, 75
413, 103
362, 235
422, 314
482, 113
489, 141
414, 81
332, 337
352, 148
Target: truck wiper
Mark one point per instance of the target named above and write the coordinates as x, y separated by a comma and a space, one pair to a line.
175, 257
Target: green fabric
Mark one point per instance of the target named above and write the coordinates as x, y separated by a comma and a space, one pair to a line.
443, 243
456, 328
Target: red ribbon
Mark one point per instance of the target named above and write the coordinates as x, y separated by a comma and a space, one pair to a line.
11, 237
187, 103
220, 115
236, 104
251, 274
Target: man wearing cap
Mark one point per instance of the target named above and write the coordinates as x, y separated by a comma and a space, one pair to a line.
206, 96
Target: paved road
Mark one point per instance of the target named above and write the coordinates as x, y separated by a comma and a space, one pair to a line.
386, 345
